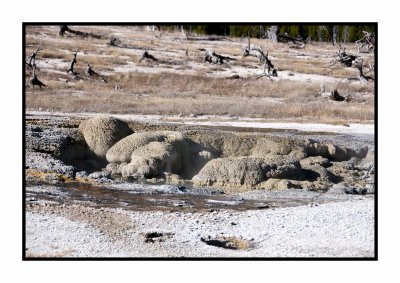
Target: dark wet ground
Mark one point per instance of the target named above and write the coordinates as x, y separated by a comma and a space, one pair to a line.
96, 196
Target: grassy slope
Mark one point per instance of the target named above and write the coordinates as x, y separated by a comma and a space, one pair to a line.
186, 85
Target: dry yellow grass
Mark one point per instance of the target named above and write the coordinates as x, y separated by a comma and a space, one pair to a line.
186, 85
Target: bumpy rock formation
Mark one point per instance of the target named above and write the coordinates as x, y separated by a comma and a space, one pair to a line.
101, 133
236, 171
153, 159
149, 154
246, 171
333, 152
225, 160
244, 144
266, 147
123, 149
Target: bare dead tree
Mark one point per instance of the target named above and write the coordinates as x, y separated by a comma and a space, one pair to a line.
359, 65
72, 64
258, 52
343, 58
367, 43
31, 63
271, 33
65, 28
353, 61
333, 31
211, 56
146, 55
34, 80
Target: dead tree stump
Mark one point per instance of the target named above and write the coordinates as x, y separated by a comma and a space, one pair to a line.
271, 33
72, 64
335, 96
34, 80
146, 55
91, 73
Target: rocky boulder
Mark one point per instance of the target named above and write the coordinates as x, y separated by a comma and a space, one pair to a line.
123, 149
333, 152
151, 160
103, 132
246, 171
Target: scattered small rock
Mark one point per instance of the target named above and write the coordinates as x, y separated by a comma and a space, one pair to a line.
100, 175
81, 174
152, 237
231, 243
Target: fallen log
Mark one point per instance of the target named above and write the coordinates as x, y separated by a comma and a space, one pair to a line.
211, 57
65, 28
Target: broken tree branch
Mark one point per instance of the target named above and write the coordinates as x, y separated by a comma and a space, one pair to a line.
343, 58
32, 59
295, 42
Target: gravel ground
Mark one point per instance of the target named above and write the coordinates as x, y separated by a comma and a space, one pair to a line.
337, 229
